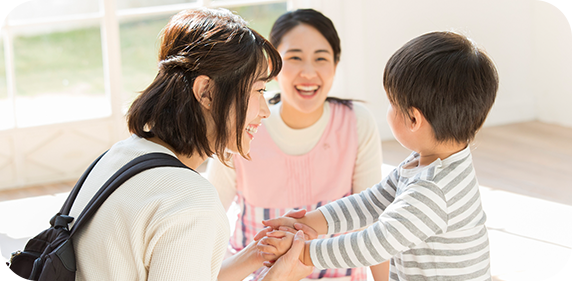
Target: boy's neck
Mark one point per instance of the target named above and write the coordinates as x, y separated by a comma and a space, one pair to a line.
438, 151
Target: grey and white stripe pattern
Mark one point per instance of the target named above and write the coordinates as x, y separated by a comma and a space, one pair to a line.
429, 221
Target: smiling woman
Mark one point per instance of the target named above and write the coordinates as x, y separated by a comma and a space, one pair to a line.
206, 96
309, 67
312, 149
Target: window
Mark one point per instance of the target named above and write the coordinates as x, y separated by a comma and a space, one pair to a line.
6, 115
59, 68
140, 43
59, 77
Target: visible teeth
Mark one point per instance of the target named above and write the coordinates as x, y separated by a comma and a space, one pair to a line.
307, 88
252, 129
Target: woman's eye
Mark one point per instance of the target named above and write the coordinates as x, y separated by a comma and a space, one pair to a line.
294, 58
322, 59
262, 91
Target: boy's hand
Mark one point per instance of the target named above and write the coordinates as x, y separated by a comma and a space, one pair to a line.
309, 233
261, 234
285, 224
281, 221
260, 254
275, 244
289, 266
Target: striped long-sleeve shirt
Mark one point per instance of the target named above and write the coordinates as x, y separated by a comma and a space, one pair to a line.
429, 221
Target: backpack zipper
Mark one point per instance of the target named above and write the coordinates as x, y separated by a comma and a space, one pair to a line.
14, 254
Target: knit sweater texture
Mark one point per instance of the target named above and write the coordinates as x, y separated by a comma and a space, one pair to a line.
162, 224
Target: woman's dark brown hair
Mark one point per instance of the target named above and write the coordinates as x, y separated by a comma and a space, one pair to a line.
315, 19
211, 42
311, 17
448, 79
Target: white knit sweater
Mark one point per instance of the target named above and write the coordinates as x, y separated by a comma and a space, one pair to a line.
162, 224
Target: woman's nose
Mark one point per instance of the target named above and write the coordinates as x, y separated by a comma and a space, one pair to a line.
264, 111
308, 71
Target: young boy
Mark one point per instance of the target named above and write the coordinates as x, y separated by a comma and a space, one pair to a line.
426, 216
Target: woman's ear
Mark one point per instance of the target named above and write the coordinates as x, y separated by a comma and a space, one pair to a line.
201, 90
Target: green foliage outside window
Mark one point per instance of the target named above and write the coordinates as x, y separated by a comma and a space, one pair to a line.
71, 61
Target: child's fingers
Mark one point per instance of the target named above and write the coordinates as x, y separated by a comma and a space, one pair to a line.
276, 234
297, 214
277, 222
269, 257
297, 246
267, 249
288, 229
272, 241
262, 241
262, 233
274, 223
309, 233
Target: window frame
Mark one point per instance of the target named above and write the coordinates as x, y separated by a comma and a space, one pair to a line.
109, 17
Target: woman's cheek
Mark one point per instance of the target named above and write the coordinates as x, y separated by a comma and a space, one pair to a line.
253, 108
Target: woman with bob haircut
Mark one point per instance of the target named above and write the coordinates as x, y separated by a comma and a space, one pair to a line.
168, 223
313, 149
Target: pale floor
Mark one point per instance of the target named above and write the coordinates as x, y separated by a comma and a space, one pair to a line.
526, 188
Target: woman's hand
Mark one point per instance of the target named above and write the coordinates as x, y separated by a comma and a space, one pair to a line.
309, 233
289, 267
246, 261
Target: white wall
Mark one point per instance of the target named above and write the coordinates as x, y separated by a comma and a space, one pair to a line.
553, 62
529, 40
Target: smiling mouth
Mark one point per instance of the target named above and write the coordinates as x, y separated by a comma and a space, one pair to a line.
251, 130
307, 90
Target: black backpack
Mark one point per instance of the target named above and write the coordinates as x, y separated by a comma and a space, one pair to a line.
49, 256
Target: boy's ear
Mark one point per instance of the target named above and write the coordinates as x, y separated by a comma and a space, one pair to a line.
201, 90
416, 119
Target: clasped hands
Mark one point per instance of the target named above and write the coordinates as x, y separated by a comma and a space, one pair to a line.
279, 235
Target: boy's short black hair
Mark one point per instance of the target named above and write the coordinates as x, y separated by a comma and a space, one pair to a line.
446, 77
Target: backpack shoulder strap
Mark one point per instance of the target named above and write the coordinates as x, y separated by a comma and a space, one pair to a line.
135, 166
65, 210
